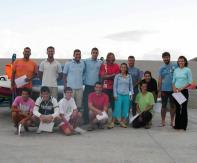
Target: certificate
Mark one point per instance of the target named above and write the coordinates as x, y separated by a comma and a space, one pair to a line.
179, 97
21, 81
102, 117
48, 127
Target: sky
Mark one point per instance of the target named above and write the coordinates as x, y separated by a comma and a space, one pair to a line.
143, 28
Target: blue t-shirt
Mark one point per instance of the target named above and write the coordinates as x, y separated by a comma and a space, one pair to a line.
182, 77
166, 74
92, 68
75, 74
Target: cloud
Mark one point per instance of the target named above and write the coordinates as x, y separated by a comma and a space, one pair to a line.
135, 35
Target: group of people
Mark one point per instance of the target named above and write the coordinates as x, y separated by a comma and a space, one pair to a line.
92, 86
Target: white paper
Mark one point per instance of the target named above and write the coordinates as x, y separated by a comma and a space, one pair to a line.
48, 127
19, 129
179, 97
21, 81
102, 117
131, 119
157, 107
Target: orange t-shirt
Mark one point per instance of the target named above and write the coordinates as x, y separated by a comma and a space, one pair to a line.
22, 67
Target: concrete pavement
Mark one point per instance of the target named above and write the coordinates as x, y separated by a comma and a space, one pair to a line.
118, 145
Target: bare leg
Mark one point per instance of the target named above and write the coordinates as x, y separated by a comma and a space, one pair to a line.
163, 116
172, 113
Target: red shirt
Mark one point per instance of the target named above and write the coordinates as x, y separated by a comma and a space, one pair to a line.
109, 69
98, 101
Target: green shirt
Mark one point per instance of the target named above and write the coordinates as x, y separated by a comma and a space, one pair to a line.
144, 100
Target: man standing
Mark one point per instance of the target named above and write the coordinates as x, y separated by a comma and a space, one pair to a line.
98, 103
50, 71
135, 74
23, 67
73, 77
92, 67
165, 87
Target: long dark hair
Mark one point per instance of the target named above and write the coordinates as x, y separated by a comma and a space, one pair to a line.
126, 67
184, 58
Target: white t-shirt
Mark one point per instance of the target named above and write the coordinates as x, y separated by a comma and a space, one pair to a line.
67, 107
50, 72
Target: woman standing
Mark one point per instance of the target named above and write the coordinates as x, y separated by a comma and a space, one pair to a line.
123, 90
182, 78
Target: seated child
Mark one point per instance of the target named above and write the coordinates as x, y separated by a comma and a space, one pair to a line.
69, 114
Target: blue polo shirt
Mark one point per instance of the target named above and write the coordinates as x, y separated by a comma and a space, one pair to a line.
91, 75
166, 74
75, 73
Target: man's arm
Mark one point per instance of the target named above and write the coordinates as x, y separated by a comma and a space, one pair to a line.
105, 108
15, 109
60, 73
62, 117
65, 80
111, 77
60, 76
94, 109
40, 74
159, 86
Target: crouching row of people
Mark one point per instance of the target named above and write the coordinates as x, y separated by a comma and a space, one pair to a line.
64, 114
46, 110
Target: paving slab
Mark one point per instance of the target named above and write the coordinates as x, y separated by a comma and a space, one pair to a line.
118, 145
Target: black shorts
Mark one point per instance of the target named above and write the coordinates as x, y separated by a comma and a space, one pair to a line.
165, 95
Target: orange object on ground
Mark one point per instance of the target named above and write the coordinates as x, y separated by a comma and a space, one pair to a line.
8, 70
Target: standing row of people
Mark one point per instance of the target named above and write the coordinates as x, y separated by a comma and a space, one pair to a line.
121, 84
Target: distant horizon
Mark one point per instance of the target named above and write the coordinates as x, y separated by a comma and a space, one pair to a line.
99, 58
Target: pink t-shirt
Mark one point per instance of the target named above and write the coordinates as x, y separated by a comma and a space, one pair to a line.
25, 106
98, 101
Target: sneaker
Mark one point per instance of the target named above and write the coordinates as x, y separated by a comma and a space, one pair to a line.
26, 128
123, 125
90, 128
110, 125
100, 126
117, 122
147, 126
75, 133
79, 130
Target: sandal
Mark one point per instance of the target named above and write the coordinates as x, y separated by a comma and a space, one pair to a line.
123, 125
111, 125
